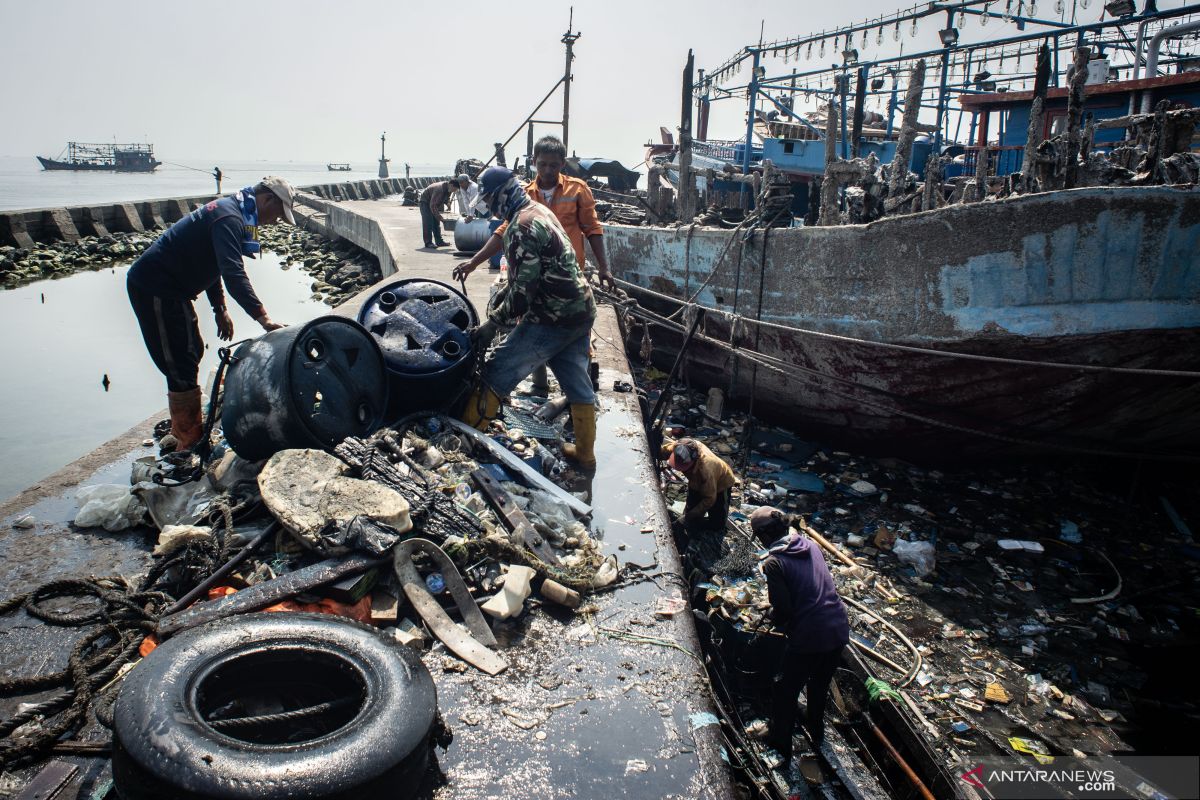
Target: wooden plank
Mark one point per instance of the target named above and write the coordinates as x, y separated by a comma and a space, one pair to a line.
512, 516
267, 593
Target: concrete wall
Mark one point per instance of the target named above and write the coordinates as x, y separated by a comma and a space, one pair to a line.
27, 227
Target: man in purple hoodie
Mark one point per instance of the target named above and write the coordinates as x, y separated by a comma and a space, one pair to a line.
805, 605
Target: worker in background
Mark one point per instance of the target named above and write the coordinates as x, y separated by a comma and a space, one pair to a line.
195, 255
806, 607
218, 175
550, 303
467, 197
433, 201
572, 203
709, 479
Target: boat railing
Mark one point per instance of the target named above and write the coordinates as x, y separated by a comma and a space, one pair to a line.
1001, 160
723, 150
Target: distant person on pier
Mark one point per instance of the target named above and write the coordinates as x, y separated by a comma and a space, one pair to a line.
218, 175
433, 201
805, 606
571, 201
467, 197
195, 255
549, 302
710, 481
407, 171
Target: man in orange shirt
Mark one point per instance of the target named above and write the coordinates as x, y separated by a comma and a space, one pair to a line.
571, 201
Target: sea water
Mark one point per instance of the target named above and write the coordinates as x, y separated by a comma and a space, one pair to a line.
24, 184
59, 338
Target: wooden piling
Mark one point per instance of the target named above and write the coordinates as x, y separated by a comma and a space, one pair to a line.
1075, 100
831, 214
908, 130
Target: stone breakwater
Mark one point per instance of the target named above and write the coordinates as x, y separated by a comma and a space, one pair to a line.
21, 265
339, 269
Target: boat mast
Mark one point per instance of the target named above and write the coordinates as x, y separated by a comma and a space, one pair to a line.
568, 39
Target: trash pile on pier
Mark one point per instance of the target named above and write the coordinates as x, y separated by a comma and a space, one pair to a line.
1037, 612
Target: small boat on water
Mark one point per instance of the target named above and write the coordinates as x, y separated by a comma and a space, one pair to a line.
338, 167
961, 307
82, 157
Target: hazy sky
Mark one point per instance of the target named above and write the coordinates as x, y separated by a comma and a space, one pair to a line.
310, 81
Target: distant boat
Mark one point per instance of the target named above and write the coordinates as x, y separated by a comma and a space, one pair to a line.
338, 167
105, 157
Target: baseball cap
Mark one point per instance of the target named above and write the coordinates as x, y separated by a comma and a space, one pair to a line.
463, 177
285, 192
768, 522
492, 180
683, 455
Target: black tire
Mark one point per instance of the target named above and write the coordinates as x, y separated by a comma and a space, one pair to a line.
377, 745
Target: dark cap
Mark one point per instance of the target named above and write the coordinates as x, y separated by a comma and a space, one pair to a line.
768, 523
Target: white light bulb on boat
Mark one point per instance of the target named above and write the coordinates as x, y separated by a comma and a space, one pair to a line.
983, 17
1031, 9
808, 55
1008, 17
913, 32
822, 53
896, 32
879, 36
864, 41
1084, 3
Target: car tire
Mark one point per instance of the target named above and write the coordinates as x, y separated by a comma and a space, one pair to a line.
166, 736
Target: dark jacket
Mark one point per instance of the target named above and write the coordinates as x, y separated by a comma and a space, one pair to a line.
195, 255
437, 195
804, 601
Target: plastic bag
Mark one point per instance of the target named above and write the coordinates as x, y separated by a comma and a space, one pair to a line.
109, 506
919, 555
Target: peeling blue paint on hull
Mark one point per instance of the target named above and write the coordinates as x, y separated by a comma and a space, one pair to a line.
1088, 276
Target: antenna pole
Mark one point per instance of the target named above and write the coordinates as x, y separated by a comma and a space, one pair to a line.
568, 39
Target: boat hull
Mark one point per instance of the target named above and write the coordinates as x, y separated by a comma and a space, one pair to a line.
82, 166
1094, 276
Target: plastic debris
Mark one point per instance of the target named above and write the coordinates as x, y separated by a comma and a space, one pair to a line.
919, 555
174, 537
109, 506
510, 600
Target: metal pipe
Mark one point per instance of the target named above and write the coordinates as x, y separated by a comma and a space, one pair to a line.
750, 116
912, 776
222, 571
1152, 54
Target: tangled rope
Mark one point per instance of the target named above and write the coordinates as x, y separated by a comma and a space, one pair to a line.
122, 616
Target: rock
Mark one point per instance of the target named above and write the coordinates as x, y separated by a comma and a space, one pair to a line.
24, 522
305, 489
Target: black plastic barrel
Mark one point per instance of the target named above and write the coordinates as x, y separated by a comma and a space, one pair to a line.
421, 327
304, 386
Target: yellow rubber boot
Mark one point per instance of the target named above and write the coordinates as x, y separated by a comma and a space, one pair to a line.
483, 406
187, 419
583, 418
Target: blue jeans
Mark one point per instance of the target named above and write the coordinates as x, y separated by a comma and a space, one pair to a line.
564, 350
494, 261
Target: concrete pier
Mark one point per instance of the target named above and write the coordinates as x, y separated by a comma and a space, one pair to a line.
583, 710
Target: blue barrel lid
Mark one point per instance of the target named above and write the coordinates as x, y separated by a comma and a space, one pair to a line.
420, 325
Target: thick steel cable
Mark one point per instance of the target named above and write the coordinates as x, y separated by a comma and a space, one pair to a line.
790, 373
